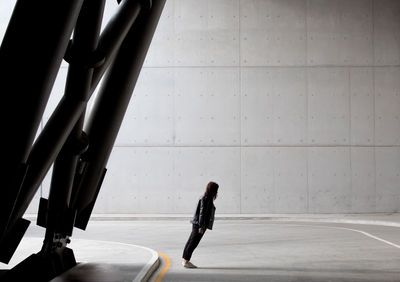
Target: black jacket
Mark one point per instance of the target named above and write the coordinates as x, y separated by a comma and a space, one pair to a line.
205, 212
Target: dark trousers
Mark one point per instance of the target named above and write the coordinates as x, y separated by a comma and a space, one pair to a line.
192, 243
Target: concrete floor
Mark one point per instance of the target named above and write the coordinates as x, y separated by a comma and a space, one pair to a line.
262, 250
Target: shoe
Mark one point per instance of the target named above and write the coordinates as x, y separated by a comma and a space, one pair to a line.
188, 265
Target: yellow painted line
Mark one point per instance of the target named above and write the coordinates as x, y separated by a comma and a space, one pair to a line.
167, 265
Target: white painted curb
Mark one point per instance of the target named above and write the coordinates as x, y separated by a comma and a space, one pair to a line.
150, 267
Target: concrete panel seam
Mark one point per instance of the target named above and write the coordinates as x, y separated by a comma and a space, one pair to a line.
273, 66
350, 141
374, 100
240, 107
307, 137
258, 146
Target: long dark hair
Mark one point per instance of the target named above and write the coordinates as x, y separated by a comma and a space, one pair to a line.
211, 190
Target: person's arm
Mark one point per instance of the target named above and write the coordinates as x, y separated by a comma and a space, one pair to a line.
204, 210
202, 214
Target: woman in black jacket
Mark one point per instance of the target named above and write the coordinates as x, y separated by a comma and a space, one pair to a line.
203, 219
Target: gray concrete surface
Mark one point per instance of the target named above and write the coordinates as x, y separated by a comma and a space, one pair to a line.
316, 248
291, 105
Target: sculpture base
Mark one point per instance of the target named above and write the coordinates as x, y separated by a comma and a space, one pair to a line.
97, 261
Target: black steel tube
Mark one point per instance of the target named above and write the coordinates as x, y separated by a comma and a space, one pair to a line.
63, 119
30, 55
113, 34
113, 99
84, 44
46, 149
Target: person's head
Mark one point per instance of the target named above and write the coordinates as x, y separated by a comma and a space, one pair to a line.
211, 190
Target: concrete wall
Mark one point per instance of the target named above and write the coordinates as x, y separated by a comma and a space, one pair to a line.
292, 106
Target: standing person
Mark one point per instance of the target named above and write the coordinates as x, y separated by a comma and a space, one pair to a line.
203, 219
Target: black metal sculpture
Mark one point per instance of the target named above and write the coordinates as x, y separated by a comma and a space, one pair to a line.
38, 37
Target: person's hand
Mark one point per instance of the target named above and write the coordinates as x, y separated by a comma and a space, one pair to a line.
201, 230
